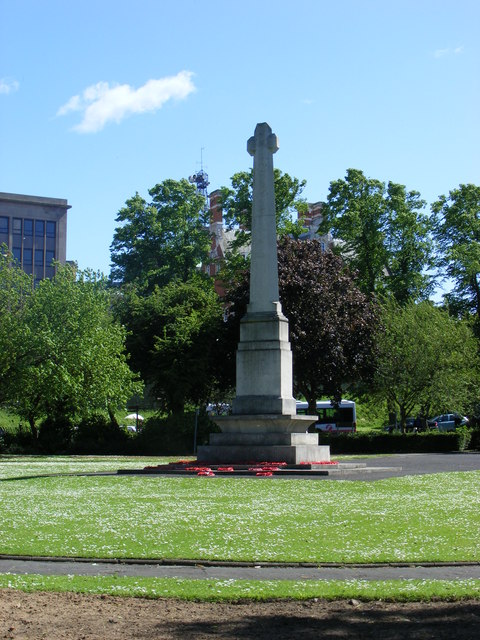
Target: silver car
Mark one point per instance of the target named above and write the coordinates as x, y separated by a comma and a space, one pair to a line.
449, 421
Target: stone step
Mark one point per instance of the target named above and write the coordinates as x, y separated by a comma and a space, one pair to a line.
306, 470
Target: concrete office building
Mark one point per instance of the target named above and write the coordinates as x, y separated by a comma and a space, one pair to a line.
35, 231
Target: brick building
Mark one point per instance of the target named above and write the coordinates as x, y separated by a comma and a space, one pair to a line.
221, 237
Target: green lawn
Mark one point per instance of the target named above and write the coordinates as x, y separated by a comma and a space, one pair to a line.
411, 519
417, 518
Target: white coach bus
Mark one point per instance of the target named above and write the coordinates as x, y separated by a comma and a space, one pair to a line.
331, 419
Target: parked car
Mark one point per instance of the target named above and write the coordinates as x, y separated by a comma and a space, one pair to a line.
409, 426
415, 425
449, 421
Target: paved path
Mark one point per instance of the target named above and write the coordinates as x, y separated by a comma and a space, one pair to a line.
259, 572
408, 464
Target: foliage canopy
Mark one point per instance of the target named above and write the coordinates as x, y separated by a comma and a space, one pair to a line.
163, 240
332, 323
426, 360
70, 353
382, 233
457, 232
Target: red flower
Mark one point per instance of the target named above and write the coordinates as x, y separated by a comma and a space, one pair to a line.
277, 464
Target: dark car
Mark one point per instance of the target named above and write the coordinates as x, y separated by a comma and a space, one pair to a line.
413, 425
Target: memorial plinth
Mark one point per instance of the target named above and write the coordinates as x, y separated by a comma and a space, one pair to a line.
264, 425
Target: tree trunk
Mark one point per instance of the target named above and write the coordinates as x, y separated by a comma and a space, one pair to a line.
403, 418
112, 417
33, 426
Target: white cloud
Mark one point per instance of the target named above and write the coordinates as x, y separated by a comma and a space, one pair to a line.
101, 103
8, 86
441, 53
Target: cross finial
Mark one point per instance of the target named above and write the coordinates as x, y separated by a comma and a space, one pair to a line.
263, 137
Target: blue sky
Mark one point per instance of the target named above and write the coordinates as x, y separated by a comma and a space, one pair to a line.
100, 99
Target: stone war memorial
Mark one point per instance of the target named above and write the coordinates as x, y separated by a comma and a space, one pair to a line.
264, 425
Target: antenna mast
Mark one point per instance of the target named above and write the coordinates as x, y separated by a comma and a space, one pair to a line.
200, 180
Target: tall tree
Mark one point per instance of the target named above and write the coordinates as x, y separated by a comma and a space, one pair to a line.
75, 360
457, 232
356, 215
332, 323
409, 245
164, 239
426, 359
382, 233
172, 339
16, 289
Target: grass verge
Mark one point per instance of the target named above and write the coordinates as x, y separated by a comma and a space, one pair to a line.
259, 590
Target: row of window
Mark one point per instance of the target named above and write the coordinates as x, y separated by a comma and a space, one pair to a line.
27, 227
28, 256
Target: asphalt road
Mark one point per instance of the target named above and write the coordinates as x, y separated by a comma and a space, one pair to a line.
410, 464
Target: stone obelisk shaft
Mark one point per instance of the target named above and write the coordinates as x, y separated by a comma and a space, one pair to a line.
264, 265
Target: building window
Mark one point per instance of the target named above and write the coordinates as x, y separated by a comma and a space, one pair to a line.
17, 254
27, 257
51, 229
3, 224
39, 258
49, 257
28, 227
39, 228
17, 226
3, 230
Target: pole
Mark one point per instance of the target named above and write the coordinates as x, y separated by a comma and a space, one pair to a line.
195, 432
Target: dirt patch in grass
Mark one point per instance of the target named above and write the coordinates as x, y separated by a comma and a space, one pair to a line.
68, 616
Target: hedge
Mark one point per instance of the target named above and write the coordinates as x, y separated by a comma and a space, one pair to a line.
363, 443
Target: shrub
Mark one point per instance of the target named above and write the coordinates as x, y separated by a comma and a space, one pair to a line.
464, 435
367, 443
55, 435
173, 435
475, 439
99, 435
19, 441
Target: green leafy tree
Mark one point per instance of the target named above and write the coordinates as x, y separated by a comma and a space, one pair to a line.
16, 289
381, 233
75, 360
356, 215
457, 232
332, 323
172, 339
426, 359
409, 245
237, 205
164, 239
